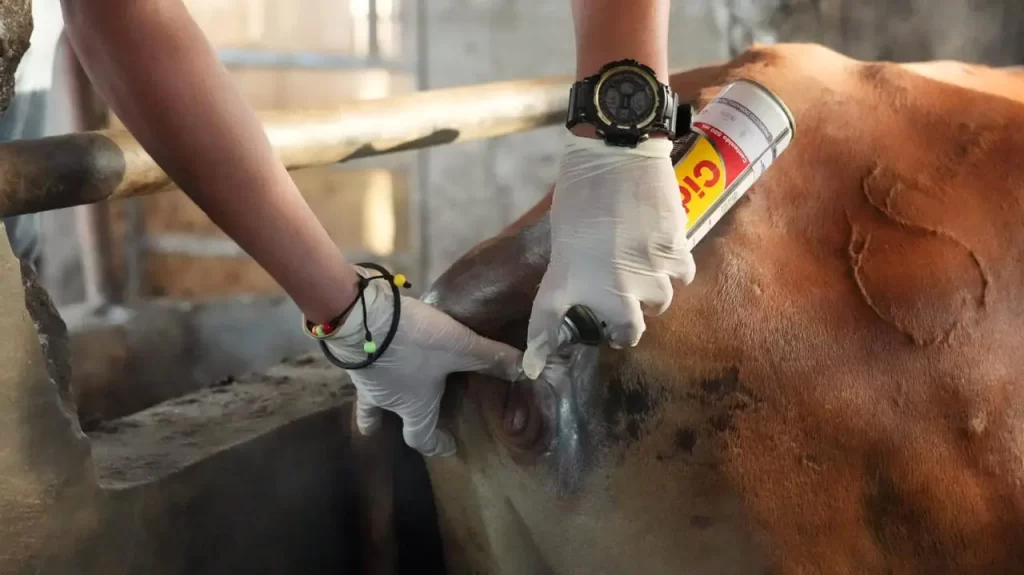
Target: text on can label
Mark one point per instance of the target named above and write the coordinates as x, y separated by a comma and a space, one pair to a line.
701, 178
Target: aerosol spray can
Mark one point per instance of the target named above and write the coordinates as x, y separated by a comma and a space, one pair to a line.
732, 141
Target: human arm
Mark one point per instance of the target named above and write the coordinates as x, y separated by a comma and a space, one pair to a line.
617, 221
609, 30
159, 74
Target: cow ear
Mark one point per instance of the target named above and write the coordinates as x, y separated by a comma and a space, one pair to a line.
491, 288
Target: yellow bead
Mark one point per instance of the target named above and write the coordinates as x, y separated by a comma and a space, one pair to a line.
400, 280
318, 330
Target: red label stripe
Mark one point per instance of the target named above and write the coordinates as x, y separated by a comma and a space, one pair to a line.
734, 158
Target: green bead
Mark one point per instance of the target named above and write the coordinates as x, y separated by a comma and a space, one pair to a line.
370, 347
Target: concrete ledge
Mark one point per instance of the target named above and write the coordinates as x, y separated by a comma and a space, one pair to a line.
159, 441
287, 501
264, 475
126, 359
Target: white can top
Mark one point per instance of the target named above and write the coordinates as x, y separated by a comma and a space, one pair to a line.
756, 123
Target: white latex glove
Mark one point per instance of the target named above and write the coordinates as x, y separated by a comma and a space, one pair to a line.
409, 377
617, 239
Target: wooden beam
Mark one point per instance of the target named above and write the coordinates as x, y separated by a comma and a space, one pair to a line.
88, 167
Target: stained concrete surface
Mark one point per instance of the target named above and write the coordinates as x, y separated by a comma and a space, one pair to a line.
153, 443
261, 476
128, 358
16, 16
45, 464
372, 494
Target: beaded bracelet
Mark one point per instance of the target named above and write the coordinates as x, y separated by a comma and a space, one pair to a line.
323, 331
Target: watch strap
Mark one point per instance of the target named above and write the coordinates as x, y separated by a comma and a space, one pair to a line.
581, 102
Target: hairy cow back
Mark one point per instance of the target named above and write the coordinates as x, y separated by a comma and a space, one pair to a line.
867, 298
845, 368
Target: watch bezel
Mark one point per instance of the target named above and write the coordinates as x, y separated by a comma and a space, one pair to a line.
652, 82
584, 107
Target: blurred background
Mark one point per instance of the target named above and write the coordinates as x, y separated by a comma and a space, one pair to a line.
153, 292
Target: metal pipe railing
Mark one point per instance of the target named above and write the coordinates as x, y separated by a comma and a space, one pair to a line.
88, 167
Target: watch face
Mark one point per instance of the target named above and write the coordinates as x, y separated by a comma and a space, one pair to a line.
626, 97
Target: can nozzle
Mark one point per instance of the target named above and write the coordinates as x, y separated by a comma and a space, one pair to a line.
581, 326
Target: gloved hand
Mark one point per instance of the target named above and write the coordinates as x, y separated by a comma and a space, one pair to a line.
617, 238
409, 377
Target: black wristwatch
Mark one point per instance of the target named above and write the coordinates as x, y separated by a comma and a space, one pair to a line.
626, 103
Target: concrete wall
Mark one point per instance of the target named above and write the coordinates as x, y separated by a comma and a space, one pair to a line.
987, 31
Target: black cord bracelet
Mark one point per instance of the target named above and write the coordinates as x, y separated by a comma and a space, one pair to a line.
373, 351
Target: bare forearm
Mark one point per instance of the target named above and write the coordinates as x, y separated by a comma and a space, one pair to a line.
608, 30
157, 71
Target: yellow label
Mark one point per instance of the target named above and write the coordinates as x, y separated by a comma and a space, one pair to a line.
701, 177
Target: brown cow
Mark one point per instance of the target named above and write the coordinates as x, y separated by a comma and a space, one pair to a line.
837, 392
